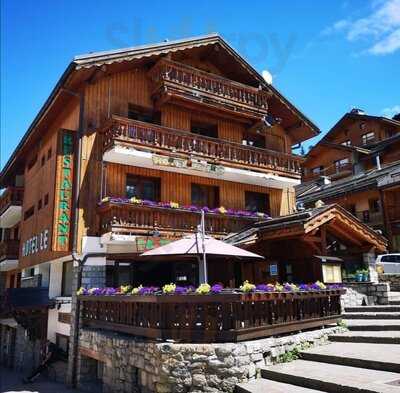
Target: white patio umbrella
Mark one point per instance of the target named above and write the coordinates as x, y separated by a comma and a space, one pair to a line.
199, 245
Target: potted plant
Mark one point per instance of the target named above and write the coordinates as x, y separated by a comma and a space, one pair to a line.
359, 275
365, 273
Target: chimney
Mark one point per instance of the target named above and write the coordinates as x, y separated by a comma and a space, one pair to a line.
323, 180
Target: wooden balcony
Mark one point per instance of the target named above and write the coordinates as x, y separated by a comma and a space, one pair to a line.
12, 196
226, 317
334, 172
370, 217
124, 218
393, 213
167, 141
177, 80
9, 249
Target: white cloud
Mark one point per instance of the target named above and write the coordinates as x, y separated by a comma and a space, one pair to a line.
390, 112
380, 28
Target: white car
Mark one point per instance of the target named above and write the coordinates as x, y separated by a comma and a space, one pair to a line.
388, 263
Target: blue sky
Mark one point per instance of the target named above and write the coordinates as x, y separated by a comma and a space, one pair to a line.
326, 57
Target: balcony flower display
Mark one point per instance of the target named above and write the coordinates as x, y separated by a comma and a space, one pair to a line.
247, 287
191, 208
169, 288
203, 289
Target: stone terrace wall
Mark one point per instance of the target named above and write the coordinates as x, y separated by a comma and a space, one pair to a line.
130, 364
365, 293
392, 279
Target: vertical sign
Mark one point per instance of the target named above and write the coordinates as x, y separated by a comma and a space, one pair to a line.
64, 191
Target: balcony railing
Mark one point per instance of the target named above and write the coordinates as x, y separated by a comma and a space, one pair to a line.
370, 217
191, 83
166, 140
333, 171
12, 196
9, 249
212, 318
130, 218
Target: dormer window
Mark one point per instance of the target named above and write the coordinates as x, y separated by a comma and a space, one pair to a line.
367, 138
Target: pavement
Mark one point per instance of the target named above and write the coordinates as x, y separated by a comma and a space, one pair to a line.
11, 382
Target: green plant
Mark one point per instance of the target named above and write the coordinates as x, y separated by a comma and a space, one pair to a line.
342, 323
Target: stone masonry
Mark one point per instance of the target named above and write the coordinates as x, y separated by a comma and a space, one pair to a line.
368, 293
392, 279
129, 363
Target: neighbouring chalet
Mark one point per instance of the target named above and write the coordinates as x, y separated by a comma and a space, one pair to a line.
353, 166
310, 245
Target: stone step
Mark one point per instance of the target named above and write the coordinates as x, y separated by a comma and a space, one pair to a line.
394, 302
371, 315
372, 324
373, 309
373, 337
372, 356
264, 386
333, 377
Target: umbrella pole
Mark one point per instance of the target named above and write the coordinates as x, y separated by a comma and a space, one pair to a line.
203, 270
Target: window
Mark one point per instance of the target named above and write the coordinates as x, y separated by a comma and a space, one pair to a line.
32, 162
49, 154
29, 213
66, 286
39, 206
368, 137
340, 164
205, 129
257, 202
374, 205
43, 160
62, 342
46, 199
143, 187
140, 113
317, 170
346, 143
205, 195
254, 139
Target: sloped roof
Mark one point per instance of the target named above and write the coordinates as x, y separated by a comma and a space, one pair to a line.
313, 192
98, 59
308, 221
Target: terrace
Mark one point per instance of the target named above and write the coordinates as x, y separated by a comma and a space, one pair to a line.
221, 317
11, 206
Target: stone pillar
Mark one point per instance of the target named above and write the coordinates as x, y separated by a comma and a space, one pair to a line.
93, 275
369, 259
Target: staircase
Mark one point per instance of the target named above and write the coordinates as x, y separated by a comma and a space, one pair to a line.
365, 359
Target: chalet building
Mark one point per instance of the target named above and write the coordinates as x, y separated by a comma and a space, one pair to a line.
353, 165
128, 147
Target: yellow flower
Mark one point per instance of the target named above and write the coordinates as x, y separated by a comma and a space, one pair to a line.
105, 199
222, 210
124, 289
174, 205
321, 285
203, 289
135, 200
247, 287
136, 290
80, 291
278, 287
169, 288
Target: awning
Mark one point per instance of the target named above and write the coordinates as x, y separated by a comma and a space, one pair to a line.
328, 258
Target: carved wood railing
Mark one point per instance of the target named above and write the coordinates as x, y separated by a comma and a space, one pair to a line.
9, 249
332, 171
11, 196
130, 218
163, 139
169, 74
212, 318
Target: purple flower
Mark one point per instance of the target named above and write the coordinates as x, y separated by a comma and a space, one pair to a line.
180, 290
304, 287
206, 209
335, 286
147, 290
314, 287
287, 287
217, 288
147, 202
265, 287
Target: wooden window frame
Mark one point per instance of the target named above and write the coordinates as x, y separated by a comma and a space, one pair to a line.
208, 190
141, 180
264, 195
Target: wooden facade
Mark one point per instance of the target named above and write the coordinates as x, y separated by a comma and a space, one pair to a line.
175, 90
